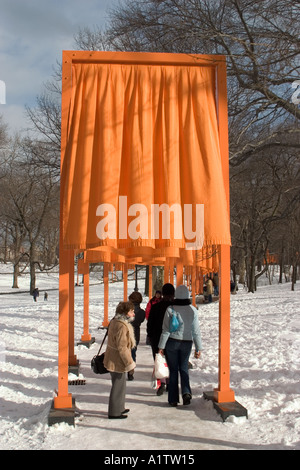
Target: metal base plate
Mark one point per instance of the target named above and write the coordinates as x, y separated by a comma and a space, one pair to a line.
226, 409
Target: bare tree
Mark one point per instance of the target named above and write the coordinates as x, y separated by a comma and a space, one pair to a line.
30, 207
4, 140
91, 39
264, 199
260, 40
46, 123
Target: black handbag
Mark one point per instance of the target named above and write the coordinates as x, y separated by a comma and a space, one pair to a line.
97, 365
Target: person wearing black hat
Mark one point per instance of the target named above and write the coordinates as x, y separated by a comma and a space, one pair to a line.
155, 320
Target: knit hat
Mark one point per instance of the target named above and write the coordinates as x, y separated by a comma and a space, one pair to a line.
168, 289
182, 292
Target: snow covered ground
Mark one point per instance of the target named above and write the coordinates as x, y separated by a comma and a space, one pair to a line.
265, 360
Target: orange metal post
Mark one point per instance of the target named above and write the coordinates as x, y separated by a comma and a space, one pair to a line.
105, 280
172, 272
197, 284
179, 273
64, 399
86, 336
200, 281
72, 357
166, 272
190, 278
194, 285
224, 393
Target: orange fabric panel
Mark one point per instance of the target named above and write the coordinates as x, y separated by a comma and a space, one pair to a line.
149, 133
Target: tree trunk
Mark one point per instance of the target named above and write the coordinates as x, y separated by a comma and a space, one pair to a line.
265, 269
251, 276
16, 275
281, 263
5, 244
294, 276
32, 269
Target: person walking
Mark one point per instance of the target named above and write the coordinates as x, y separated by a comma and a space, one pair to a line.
139, 316
177, 345
154, 325
118, 358
35, 294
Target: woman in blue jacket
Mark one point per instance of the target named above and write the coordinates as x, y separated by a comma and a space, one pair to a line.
177, 345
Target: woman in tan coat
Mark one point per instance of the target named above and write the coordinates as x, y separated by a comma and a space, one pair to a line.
118, 359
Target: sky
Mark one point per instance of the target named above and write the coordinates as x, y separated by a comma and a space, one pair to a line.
33, 34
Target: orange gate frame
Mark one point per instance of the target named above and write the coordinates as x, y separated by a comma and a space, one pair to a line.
66, 265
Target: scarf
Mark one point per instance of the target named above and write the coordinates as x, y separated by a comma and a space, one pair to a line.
124, 319
181, 302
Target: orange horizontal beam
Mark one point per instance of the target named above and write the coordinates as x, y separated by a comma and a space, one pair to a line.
143, 58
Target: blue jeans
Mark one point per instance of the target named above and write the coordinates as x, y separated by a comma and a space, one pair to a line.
177, 355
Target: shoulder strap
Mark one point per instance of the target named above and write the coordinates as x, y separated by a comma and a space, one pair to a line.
102, 342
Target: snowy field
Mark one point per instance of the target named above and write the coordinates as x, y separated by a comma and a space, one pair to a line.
265, 360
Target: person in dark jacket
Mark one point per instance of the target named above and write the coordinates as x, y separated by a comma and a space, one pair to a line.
35, 294
136, 298
154, 300
155, 321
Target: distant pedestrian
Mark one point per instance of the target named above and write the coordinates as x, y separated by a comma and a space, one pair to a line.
35, 294
216, 283
46, 296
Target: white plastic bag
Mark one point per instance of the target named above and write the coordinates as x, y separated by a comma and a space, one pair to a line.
161, 369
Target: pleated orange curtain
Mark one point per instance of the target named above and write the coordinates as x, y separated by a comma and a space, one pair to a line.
141, 135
